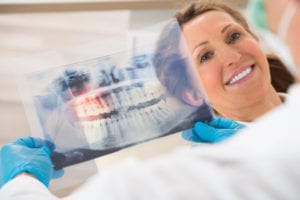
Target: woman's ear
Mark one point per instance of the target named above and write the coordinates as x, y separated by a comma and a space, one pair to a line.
192, 97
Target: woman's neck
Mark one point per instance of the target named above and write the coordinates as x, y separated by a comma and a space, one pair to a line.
257, 109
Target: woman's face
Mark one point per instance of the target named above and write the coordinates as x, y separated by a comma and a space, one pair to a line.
233, 69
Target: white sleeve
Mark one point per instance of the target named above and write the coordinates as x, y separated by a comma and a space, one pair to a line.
193, 175
25, 187
188, 174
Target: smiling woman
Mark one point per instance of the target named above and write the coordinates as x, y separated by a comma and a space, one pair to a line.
241, 82
231, 65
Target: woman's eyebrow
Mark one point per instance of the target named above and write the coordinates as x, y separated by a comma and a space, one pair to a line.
200, 44
205, 42
225, 28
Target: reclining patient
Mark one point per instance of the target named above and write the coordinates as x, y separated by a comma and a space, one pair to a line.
241, 82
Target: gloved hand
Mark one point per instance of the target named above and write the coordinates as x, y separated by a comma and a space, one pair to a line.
30, 155
217, 130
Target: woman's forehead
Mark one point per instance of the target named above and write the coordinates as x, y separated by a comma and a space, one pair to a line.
209, 20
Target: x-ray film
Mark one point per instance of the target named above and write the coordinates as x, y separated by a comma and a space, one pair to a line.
103, 104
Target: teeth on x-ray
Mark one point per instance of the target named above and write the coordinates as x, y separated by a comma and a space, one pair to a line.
113, 104
110, 102
125, 113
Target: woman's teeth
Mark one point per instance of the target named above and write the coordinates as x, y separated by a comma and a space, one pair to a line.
240, 75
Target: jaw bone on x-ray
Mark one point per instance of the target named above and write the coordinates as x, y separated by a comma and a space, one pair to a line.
101, 105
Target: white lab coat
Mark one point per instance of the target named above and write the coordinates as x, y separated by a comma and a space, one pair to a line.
262, 162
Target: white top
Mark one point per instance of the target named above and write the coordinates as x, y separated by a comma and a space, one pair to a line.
262, 162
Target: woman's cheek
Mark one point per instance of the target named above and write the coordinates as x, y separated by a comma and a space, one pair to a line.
209, 81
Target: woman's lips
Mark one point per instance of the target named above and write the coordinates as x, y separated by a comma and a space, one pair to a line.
237, 77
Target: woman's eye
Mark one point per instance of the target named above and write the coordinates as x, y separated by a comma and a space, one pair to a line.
206, 57
233, 37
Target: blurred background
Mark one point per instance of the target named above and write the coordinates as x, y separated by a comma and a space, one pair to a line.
30, 27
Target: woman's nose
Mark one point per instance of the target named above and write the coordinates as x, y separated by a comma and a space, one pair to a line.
229, 55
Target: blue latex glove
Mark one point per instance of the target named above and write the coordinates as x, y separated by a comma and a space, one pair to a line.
30, 155
217, 130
